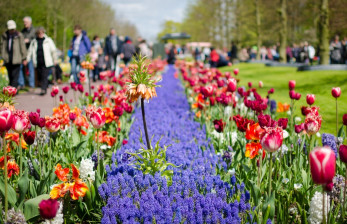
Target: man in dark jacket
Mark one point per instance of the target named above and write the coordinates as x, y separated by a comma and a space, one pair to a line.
233, 52
128, 51
80, 46
13, 51
113, 47
29, 34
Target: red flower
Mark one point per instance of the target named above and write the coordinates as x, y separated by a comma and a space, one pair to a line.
72, 116
48, 208
42, 122
344, 119
272, 139
34, 118
29, 137
96, 116
66, 89
283, 122
343, 153
21, 121
80, 88
55, 90
310, 98
322, 162
266, 121
313, 123
12, 168
125, 142
236, 71
9, 91
207, 91
242, 123
52, 124
118, 111
271, 91
219, 125
231, 83
299, 128
291, 84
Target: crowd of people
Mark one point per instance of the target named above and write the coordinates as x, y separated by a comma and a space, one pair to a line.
30, 56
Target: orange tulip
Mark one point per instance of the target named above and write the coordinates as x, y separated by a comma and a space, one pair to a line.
61, 173
12, 168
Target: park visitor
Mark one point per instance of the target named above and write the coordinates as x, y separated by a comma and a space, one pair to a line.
128, 50
42, 53
13, 52
113, 47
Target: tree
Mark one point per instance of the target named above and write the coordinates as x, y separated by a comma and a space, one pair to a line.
258, 26
283, 32
169, 26
323, 32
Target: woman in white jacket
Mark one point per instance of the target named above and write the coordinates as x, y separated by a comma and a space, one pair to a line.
42, 52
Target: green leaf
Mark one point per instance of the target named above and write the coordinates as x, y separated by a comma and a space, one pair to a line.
80, 149
31, 207
23, 186
12, 197
270, 203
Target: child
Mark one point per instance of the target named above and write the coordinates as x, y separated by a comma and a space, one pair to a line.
100, 66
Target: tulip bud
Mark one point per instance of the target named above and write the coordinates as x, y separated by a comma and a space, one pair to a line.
291, 84
322, 162
344, 119
29, 137
336, 92
299, 128
34, 118
297, 96
271, 91
343, 153
42, 122
55, 90
250, 84
232, 85
66, 89
38, 110
261, 84
48, 208
310, 98
86, 94
80, 88
212, 101
125, 142
236, 71
72, 116
329, 187
292, 94
219, 125
61, 98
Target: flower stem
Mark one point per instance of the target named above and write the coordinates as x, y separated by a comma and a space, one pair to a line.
270, 174
97, 147
344, 197
324, 219
5, 173
260, 167
144, 123
89, 82
337, 121
20, 155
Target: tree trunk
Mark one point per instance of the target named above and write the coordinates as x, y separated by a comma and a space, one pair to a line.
323, 32
258, 25
283, 31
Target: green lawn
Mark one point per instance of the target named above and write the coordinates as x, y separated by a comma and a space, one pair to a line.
313, 82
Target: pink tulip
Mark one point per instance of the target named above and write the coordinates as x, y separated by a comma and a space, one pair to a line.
236, 71
42, 122
55, 90
271, 138
297, 96
9, 91
322, 162
207, 91
66, 89
80, 88
343, 153
6, 120
292, 94
232, 85
34, 118
21, 121
72, 116
299, 128
310, 98
96, 116
313, 123
336, 92
52, 124
292, 84
261, 84
48, 208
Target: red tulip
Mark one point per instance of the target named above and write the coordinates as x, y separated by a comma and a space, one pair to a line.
6, 120
34, 118
261, 84
291, 84
72, 116
250, 84
38, 110
212, 101
271, 91
219, 125
231, 83
73, 86
322, 162
236, 71
42, 122
66, 89
55, 90
125, 142
52, 124
96, 116
292, 94
299, 128
344, 119
336, 92
128, 108
61, 99
220, 82
118, 111
343, 153
80, 88
297, 96
52, 94
310, 98
49, 208
86, 94
207, 91
9, 91
21, 121
29, 137
283, 122
272, 139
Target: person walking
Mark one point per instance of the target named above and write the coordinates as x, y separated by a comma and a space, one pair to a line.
144, 49
128, 50
43, 54
336, 51
113, 47
233, 52
13, 52
80, 46
29, 34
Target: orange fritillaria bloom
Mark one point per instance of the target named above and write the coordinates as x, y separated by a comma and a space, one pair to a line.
74, 185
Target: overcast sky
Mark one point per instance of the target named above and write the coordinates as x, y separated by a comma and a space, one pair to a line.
149, 15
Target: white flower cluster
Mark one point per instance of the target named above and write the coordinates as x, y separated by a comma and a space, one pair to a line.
58, 219
227, 111
221, 137
86, 169
316, 211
